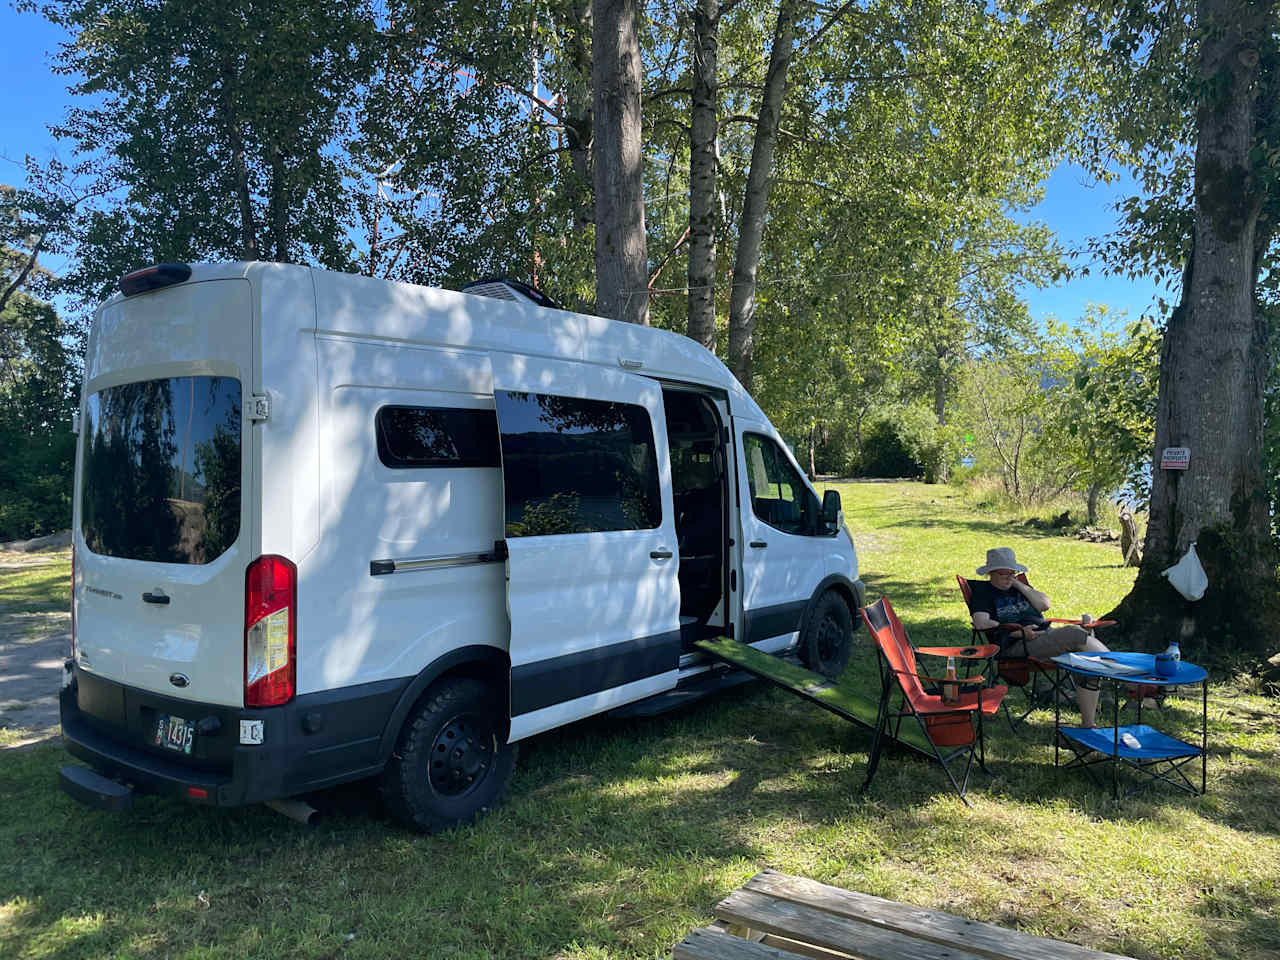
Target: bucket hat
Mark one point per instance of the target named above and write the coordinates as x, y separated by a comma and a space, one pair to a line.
1001, 558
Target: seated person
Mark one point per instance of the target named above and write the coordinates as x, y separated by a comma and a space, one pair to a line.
1006, 599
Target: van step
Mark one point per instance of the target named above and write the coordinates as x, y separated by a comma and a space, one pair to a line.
699, 687
94, 790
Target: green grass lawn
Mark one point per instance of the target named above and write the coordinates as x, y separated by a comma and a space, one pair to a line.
619, 837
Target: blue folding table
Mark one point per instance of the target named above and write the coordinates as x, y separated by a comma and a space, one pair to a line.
1157, 755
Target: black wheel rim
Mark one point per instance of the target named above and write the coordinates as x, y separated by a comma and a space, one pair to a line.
830, 638
461, 755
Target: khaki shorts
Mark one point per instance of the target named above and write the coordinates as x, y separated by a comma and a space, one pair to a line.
1049, 643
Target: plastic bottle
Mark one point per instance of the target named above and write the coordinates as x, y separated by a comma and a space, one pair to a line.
1130, 741
950, 688
1174, 651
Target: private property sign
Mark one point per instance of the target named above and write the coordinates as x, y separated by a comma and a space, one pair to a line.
1175, 458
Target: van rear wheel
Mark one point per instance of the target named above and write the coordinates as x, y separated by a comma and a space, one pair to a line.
827, 641
451, 762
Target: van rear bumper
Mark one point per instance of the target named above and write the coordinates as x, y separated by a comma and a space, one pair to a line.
316, 741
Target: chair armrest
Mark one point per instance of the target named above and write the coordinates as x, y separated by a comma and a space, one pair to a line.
959, 681
1091, 623
984, 652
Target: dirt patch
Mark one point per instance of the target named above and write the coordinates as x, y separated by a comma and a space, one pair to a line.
33, 647
55, 541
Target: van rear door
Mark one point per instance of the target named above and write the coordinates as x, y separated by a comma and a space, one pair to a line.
592, 589
162, 532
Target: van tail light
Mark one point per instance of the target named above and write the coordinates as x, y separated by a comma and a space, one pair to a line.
73, 602
270, 623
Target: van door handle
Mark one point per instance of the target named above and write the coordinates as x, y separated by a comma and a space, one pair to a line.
660, 554
154, 598
758, 544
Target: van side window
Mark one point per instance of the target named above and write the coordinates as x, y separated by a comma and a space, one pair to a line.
779, 496
436, 437
571, 465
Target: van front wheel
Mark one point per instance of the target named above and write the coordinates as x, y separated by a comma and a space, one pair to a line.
827, 641
451, 762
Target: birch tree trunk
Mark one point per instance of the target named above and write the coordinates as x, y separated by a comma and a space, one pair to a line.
702, 174
1213, 367
618, 163
755, 202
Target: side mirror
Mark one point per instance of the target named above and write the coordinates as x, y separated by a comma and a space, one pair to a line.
830, 508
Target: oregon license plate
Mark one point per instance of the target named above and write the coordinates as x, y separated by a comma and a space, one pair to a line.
174, 733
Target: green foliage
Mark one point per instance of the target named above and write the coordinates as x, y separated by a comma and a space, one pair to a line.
217, 130
37, 399
1100, 412
886, 453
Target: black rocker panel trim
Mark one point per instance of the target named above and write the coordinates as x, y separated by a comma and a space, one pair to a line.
545, 683
766, 622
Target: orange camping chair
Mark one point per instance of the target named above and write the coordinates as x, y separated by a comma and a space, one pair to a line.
954, 729
1025, 673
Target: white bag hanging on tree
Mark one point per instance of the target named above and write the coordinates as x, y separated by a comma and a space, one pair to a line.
1188, 576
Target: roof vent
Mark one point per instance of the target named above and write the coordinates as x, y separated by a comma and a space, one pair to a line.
503, 288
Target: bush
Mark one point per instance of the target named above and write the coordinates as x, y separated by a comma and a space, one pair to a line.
885, 452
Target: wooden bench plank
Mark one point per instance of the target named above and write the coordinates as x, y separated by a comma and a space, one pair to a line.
707, 943
811, 925
984, 939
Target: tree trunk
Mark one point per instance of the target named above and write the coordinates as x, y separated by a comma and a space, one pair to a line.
577, 113
755, 202
239, 168
1212, 372
279, 207
618, 168
702, 174
813, 443
1091, 498
940, 410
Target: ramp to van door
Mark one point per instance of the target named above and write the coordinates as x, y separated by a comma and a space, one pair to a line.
851, 697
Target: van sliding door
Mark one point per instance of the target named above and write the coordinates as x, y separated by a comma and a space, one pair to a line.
592, 591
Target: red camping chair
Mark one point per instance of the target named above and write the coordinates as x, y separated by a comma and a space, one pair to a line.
1025, 673
953, 730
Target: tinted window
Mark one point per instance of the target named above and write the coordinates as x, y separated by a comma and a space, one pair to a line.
779, 496
162, 469
437, 437
577, 466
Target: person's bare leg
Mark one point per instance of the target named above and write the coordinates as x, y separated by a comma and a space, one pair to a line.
1086, 698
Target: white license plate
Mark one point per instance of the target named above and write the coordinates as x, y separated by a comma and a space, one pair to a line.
174, 733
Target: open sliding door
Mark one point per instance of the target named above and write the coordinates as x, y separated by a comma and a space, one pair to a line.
592, 590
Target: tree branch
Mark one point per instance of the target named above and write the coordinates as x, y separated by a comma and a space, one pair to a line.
21, 278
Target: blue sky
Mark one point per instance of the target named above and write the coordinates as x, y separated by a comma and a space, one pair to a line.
1074, 207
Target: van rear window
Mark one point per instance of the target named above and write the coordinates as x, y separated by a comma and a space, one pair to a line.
162, 466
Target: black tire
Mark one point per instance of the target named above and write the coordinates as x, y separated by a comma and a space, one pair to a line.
451, 762
827, 641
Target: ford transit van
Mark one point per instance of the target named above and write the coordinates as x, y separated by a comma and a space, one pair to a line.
329, 528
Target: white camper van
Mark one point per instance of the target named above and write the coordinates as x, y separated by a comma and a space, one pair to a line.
330, 527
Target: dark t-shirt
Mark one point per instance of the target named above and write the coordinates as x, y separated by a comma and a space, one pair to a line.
1005, 606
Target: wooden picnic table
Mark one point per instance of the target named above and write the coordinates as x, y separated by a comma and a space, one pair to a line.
785, 918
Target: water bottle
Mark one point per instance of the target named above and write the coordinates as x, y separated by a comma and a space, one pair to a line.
1174, 652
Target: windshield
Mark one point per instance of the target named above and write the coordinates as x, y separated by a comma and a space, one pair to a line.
162, 469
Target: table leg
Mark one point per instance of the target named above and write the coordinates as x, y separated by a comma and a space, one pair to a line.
1057, 723
1204, 733
1115, 750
